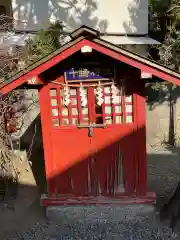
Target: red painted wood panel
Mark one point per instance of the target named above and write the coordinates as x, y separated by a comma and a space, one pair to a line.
141, 157
46, 134
87, 166
72, 150
150, 198
106, 141
70, 155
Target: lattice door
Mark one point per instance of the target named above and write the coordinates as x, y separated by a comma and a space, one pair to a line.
90, 143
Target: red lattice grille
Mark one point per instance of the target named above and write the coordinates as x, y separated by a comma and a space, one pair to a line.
121, 111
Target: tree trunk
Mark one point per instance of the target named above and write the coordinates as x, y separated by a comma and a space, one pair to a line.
171, 139
171, 210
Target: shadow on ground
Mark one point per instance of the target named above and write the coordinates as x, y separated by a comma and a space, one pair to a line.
25, 211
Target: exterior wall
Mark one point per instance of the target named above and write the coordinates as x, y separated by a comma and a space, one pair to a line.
131, 17
78, 159
125, 16
158, 124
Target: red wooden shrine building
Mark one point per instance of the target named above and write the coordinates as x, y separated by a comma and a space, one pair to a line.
92, 106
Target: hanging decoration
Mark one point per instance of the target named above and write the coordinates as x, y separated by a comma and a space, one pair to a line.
87, 85
114, 91
66, 96
83, 95
99, 95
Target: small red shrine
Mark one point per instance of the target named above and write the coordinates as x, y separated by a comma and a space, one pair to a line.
93, 115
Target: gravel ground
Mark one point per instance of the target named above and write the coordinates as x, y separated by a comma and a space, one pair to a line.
139, 228
113, 222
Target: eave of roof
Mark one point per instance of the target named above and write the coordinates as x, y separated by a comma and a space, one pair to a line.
137, 57
39, 62
132, 40
79, 36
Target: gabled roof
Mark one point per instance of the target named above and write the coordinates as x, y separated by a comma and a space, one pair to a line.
84, 31
86, 36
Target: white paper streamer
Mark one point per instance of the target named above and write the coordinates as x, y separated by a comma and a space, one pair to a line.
66, 96
114, 91
83, 96
99, 95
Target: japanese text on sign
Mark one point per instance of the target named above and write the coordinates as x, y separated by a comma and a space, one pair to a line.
86, 74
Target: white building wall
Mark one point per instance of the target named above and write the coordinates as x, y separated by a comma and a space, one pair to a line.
115, 16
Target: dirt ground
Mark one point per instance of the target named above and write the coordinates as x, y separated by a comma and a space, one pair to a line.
24, 219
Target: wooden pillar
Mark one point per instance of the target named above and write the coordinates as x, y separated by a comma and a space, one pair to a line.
141, 158
46, 123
